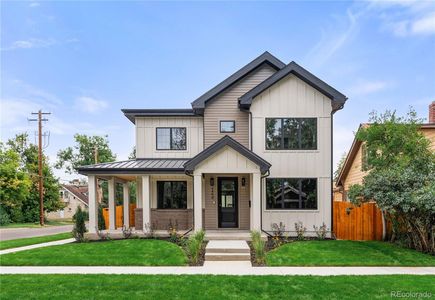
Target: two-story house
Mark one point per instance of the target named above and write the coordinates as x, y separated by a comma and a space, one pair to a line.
254, 150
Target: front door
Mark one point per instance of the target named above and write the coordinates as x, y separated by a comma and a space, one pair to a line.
227, 202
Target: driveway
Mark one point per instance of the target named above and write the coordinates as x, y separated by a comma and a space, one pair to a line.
18, 233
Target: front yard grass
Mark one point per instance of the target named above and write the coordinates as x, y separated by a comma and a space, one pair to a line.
346, 253
131, 252
34, 240
210, 287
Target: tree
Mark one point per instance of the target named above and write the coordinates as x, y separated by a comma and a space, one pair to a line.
83, 152
400, 178
340, 165
79, 229
28, 210
14, 185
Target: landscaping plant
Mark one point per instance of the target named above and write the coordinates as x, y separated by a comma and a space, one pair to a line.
126, 232
300, 230
321, 231
277, 233
400, 178
174, 236
79, 225
259, 247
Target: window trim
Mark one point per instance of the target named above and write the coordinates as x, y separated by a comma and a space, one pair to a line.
220, 126
266, 148
170, 139
317, 209
157, 194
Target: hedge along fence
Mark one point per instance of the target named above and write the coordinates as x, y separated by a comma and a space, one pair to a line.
119, 213
358, 223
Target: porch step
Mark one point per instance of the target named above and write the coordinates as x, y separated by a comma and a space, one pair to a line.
227, 250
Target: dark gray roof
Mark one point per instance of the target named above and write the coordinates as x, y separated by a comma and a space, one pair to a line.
199, 104
164, 165
131, 114
226, 141
338, 99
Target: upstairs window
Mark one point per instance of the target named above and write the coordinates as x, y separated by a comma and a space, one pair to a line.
291, 133
291, 193
227, 126
171, 194
171, 138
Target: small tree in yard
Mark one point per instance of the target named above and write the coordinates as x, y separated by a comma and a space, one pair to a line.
401, 177
79, 225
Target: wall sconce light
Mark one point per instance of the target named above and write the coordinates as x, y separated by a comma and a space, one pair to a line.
212, 181
243, 181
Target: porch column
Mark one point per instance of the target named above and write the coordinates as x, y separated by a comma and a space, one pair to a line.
139, 192
197, 201
126, 196
112, 208
256, 202
93, 203
146, 201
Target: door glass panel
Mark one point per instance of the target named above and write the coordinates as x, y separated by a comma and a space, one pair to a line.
228, 185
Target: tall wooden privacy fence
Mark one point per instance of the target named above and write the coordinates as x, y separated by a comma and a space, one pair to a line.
119, 214
357, 223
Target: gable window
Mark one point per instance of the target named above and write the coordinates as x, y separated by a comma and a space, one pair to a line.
171, 138
171, 194
227, 126
291, 133
291, 193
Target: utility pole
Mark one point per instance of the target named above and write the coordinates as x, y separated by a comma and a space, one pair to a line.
40, 177
96, 162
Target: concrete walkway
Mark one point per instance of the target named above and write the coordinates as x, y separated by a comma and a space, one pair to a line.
19, 233
53, 243
218, 268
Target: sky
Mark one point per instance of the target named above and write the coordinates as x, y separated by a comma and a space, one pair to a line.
84, 61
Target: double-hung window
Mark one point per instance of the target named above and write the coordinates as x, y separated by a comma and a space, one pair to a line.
171, 194
291, 193
291, 133
171, 138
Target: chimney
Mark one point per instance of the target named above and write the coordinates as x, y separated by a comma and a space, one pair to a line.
432, 112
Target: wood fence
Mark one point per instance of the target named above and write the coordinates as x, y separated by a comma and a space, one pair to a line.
357, 223
119, 216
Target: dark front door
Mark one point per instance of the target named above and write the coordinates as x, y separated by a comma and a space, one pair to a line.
227, 202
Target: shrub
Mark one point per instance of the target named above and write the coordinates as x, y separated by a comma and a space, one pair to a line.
102, 235
259, 247
321, 231
174, 236
300, 231
4, 217
277, 233
101, 223
79, 225
193, 248
126, 232
199, 236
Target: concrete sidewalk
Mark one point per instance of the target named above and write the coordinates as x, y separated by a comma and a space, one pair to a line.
34, 246
216, 268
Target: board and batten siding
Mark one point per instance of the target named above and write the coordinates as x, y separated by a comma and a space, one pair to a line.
225, 107
146, 136
292, 97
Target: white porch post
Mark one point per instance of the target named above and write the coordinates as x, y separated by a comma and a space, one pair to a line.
145, 201
126, 196
256, 202
93, 203
197, 204
139, 192
112, 208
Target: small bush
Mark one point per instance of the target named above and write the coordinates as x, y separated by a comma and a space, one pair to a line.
102, 235
259, 247
300, 230
126, 232
277, 233
199, 236
174, 236
193, 249
4, 217
79, 225
321, 231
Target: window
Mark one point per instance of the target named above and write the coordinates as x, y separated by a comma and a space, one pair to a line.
291, 193
291, 133
227, 126
171, 138
171, 194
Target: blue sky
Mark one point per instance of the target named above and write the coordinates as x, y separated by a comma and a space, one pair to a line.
84, 61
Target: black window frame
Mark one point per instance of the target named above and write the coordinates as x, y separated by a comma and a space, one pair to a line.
220, 126
300, 201
299, 133
170, 139
160, 201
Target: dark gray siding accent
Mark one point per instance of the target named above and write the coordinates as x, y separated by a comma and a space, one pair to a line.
131, 114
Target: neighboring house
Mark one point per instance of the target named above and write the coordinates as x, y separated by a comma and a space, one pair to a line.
353, 172
72, 196
254, 150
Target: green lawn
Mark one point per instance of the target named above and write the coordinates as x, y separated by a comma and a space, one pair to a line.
36, 225
346, 253
132, 252
209, 287
34, 240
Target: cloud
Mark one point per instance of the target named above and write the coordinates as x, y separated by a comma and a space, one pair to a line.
90, 105
368, 87
35, 43
424, 25
343, 138
34, 4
